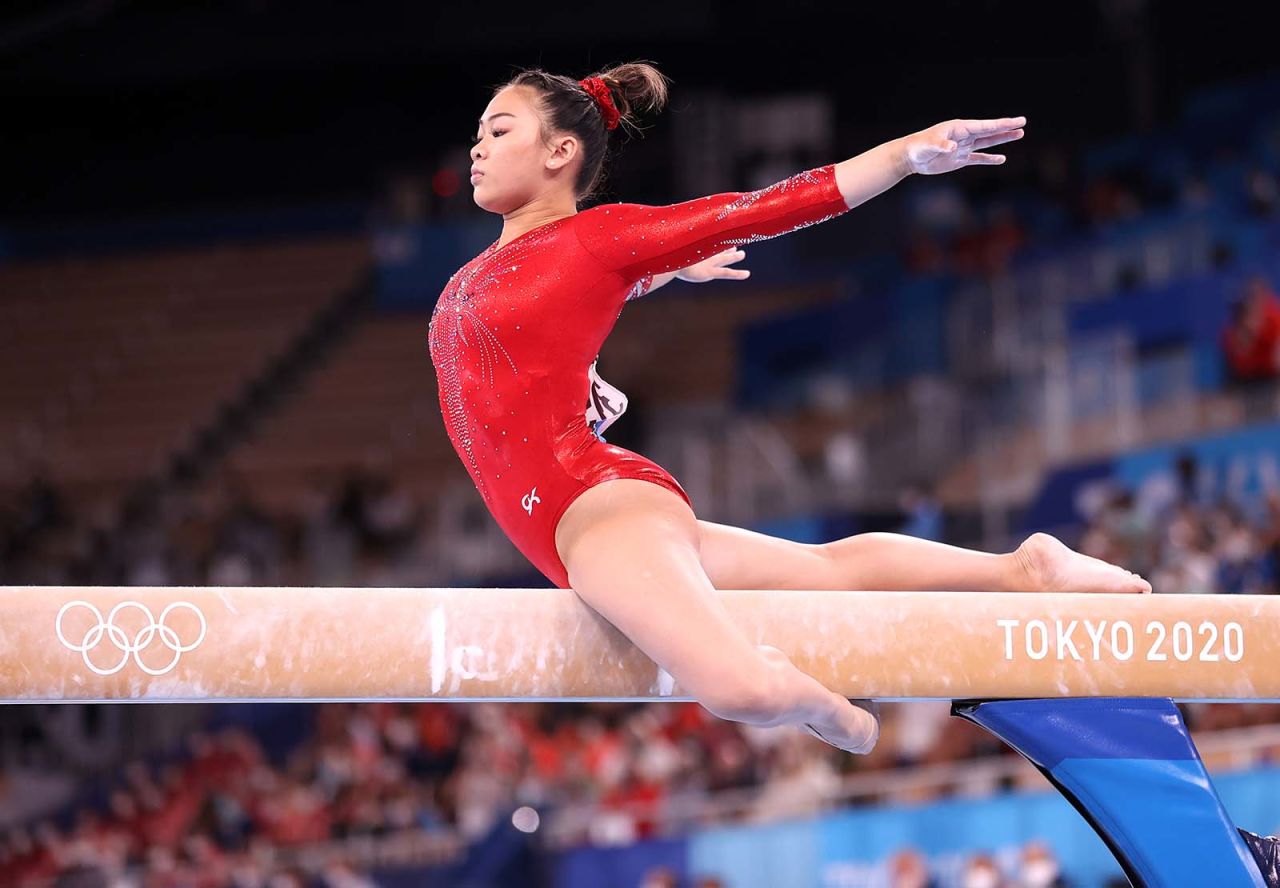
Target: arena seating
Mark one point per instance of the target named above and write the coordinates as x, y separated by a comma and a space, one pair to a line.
110, 364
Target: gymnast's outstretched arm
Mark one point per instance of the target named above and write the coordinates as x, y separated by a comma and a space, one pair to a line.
942, 148
638, 240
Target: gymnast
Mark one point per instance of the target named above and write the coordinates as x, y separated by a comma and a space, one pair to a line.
514, 338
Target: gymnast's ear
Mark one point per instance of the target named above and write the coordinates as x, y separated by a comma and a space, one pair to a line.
564, 147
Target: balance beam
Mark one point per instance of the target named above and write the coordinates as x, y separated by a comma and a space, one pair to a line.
171, 644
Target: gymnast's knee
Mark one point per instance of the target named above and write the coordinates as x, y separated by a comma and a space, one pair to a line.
845, 546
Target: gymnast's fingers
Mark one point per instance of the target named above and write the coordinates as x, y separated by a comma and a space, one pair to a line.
872, 708
996, 125
998, 139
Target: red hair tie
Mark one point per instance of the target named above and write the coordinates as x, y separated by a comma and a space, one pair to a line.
598, 91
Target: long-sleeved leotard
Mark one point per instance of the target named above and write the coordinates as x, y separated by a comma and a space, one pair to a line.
515, 333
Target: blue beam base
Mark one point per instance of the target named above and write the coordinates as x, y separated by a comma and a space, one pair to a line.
1129, 766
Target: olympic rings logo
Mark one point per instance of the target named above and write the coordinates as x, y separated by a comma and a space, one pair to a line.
123, 643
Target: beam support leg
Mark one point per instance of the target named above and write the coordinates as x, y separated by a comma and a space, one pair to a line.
1130, 767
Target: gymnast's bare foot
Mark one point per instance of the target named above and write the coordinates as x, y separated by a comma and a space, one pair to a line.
1051, 566
858, 731
851, 725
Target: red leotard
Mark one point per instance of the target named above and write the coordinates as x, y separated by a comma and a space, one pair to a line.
517, 328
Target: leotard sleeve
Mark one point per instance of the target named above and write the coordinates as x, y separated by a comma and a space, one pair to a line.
637, 240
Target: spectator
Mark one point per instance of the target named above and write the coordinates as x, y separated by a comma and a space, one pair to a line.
1242, 568
82, 876
1126, 530
390, 517
1196, 193
917, 729
908, 869
801, 785
659, 877
1039, 868
1262, 191
341, 874
327, 543
1251, 345
1001, 240
924, 253
981, 872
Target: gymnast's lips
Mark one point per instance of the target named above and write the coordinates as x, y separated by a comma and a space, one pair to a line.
475, 174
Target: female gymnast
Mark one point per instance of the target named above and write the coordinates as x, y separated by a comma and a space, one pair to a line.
514, 337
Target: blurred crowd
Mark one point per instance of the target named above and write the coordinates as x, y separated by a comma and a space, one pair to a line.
205, 822
951, 233
220, 816
334, 534
602, 774
1185, 540
1036, 866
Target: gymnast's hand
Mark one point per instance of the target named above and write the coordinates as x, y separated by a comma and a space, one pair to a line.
954, 144
714, 267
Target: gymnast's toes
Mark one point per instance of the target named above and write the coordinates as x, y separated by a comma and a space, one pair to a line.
1051, 566
1104, 577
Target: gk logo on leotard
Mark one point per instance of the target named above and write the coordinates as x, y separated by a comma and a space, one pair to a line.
529, 499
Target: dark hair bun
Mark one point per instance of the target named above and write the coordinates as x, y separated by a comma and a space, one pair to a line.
637, 87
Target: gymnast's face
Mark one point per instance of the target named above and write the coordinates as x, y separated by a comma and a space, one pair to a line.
516, 161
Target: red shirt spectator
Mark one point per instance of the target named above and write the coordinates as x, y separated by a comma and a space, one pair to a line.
637, 791
438, 727
1251, 341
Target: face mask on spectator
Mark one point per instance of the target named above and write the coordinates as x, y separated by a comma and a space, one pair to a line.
1039, 874
981, 878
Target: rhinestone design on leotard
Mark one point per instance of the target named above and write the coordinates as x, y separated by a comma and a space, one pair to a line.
458, 313
808, 177
753, 238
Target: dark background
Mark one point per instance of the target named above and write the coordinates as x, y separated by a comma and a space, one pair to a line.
115, 107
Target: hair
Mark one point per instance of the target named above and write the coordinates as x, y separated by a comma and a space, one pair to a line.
565, 107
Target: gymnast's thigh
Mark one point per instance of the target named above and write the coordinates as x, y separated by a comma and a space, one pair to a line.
601, 499
737, 558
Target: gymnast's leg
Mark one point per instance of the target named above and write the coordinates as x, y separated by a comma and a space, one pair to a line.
631, 550
736, 558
